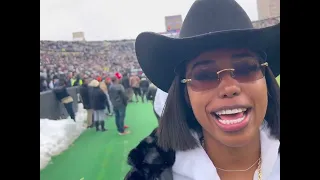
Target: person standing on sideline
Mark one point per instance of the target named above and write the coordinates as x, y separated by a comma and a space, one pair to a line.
85, 99
108, 83
134, 84
126, 84
151, 94
119, 101
99, 104
144, 85
63, 96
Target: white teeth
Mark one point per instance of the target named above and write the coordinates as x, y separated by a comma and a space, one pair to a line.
231, 111
232, 121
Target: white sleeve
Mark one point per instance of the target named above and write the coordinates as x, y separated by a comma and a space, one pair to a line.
159, 101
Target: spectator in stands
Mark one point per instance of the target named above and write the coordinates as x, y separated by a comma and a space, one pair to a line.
144, 86
90, 58
70, 80
99, 104
54, 82
85, 99
96, 57
119, 101
134, 84
63, 96
77, 81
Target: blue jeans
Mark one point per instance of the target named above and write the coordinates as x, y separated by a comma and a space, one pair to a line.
111, 107
120, 114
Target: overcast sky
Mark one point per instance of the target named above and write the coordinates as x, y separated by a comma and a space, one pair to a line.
113, 19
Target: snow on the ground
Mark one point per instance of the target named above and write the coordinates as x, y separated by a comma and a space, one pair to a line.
57, 135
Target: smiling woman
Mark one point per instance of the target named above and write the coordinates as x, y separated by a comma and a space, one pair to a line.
226, 105
222, 115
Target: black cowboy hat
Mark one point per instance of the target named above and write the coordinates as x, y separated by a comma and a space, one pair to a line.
209, 24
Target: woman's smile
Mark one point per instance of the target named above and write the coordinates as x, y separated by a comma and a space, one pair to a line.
232, 119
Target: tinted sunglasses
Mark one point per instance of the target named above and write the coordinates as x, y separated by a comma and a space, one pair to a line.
208, 75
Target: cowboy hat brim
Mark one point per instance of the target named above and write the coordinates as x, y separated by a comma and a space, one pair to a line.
159, 55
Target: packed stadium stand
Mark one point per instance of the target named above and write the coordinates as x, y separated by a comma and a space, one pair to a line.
94, 58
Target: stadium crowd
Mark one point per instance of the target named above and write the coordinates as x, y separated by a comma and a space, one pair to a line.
92, 59
85, 59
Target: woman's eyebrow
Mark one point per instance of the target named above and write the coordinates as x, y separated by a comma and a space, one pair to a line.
242, 55
202, 62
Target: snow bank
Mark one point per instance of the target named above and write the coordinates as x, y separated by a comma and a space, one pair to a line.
56, 136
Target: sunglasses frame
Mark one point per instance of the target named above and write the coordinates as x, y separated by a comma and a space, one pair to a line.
185, 81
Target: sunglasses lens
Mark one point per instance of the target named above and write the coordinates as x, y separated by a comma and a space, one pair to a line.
204, 78
207, 78
248, 71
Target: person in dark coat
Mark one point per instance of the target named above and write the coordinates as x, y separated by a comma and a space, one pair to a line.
151, 94
119, 101
63, 96
99, 104
152, 91
144, 86
90, 91
85, 99
126, 84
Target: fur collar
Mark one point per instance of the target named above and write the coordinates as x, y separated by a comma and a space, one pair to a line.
148, 161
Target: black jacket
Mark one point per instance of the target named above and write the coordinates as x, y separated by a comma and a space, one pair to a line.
61, 92
117, 96
151, 94
144, 84
84, 93
90, 91
99, 99
125, 82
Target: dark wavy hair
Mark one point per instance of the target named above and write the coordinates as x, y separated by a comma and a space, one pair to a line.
178, 119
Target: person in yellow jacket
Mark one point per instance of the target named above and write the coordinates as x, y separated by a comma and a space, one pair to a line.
76, 81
